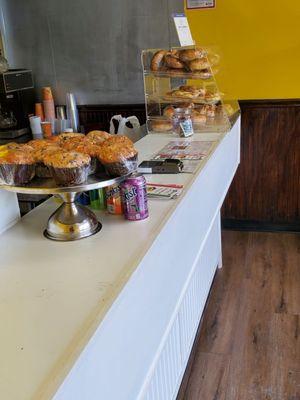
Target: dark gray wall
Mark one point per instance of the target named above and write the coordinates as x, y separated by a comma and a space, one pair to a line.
89, 47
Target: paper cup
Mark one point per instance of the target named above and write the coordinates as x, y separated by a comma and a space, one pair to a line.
46, 129
39, 111
47, 93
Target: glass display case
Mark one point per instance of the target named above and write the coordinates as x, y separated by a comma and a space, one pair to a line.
181, 81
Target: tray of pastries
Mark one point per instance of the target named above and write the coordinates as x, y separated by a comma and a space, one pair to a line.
205, 117
193, 62
67, 160
196, 94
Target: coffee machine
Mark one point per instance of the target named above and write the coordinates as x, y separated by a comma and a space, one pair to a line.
16, 103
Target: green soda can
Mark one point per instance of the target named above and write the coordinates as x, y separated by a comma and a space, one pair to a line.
97, 199
102, 199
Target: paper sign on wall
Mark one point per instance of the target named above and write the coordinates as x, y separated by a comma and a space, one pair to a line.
183, 30
194, 4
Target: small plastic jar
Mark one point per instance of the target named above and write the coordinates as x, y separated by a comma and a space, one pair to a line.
182, 122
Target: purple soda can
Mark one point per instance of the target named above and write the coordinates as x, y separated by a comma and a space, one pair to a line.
134, 198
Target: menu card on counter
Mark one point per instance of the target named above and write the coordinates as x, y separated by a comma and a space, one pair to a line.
189, 152
164, 191
184, 150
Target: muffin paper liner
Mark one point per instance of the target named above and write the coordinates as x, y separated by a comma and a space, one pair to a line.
42, 171
16, 174
70, 176
95, 166
123, 167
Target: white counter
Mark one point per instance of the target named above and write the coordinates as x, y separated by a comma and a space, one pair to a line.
89, 319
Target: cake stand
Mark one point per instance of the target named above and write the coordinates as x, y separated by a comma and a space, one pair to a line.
71, 221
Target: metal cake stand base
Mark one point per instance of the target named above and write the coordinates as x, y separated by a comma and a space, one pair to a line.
71, 221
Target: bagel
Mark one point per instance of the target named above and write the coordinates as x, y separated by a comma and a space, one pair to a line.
186, 105
169, 112
182, 93
205, 74
157, 60
210, 110
197, 92
212, 97
201, 109
190, 54
198, 118
173, 62
161, 125
198, 64
187, 88
174, 52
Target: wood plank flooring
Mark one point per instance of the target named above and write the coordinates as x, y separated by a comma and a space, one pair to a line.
249, 340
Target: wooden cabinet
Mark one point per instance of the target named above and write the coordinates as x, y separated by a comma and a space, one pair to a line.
265, 193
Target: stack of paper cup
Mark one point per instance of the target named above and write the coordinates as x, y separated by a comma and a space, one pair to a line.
61, 122
39, 111
72, 112
61, 125
36, 128
60, 112
48, 104
46, 129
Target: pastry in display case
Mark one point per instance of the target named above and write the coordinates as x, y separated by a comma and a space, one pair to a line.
179, 83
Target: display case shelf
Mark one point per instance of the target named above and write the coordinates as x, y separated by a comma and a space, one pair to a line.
174, 99
204, 76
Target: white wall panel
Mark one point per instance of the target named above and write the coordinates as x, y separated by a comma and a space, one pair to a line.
9, 210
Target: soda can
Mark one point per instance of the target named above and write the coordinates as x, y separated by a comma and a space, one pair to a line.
97, 199
134, 198
113, 199
102, 199
94, 199
83, 199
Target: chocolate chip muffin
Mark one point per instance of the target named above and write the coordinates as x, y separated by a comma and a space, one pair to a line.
68, 167
41, 170
17, 166
118, 155
98, 137
63, 137
85, 146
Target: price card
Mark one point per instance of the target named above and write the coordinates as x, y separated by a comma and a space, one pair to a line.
183, 30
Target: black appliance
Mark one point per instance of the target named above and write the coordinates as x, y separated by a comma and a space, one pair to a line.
17, 100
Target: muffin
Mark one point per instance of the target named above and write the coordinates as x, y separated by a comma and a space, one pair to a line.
13, 146
118, 155
54, 139
17, 166
41, 170
40, 148
98, 137
68, 167
63, 137
84, 146
38, 143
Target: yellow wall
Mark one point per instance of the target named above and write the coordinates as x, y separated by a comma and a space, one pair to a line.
260, 46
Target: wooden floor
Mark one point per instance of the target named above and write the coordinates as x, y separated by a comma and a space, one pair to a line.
249, 343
